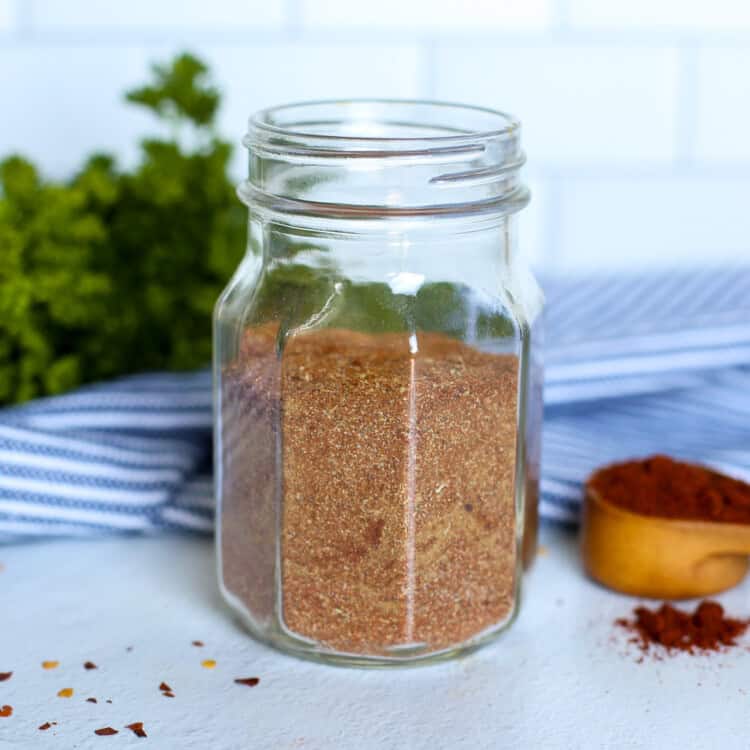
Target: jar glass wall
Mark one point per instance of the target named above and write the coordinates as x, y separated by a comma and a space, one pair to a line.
377, 378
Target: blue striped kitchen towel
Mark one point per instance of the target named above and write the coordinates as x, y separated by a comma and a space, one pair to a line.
633, 366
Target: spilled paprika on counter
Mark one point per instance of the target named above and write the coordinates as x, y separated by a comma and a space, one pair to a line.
705, 629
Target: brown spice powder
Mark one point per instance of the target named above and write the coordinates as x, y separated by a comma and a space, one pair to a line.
394, 475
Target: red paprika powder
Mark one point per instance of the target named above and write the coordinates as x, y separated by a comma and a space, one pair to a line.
661, 486
705, 629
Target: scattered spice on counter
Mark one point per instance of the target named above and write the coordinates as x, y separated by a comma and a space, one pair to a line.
90, 665
6, 711
65, 693
661, 486
208, 663
5, 676
105, 731
50, 664
137, 729
47, 725
166, 691
91, 700
109, 700
398, 522
199, 644
705, 629
249, 681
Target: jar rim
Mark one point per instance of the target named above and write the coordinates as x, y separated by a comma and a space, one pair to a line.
387, 158
445, 118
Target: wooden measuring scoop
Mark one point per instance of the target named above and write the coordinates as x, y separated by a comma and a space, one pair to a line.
662, 558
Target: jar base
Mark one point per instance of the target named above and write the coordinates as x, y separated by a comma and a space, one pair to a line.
279, 639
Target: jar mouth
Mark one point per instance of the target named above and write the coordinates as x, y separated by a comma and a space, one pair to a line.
388, 124
389, 158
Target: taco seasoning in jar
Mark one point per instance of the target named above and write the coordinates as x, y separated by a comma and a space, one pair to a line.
377, 371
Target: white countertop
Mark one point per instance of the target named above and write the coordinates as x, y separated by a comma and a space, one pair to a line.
562, 677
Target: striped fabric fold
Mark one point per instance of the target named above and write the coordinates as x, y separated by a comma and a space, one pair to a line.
125, 456
634, 366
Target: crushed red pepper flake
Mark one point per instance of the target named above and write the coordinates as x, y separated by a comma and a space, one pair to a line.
89, 665
199, 644
65, 693
44, 727
5, 676
168, 694
91, 700
105, 731
50, 664
249, 681
137, 729
6, 711
165, 688
208, 663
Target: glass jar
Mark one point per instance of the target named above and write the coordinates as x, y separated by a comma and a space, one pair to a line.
377, 375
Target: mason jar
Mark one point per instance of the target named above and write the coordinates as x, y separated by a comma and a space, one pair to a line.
378, 383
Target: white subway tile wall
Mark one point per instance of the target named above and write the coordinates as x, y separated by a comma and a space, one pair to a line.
724, 88
612, 223
61, 102
698, 15
636, 112
266, 74
579, 103
437, 14
151, 14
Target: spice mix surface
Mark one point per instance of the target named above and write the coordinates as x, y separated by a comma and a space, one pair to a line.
373, 476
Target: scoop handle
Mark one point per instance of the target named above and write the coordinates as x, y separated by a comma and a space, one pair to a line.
727, 538
659, 557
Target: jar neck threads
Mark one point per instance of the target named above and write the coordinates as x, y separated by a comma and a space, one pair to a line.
380, 159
